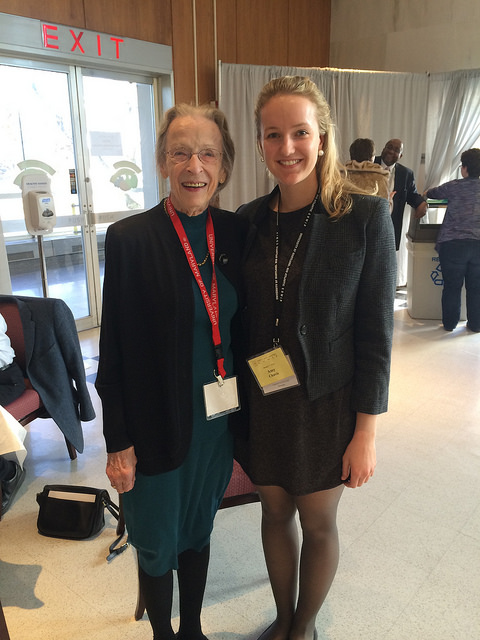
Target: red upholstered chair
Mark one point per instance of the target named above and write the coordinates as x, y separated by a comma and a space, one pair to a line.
29, 405
240, 490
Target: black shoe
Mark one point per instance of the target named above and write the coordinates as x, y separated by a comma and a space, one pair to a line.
265, 632
10, 487
472, 329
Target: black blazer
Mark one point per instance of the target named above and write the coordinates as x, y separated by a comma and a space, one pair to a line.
345, 300
405, 193
54, 363
146, 340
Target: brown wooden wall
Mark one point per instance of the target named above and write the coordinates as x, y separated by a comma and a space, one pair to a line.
201, 32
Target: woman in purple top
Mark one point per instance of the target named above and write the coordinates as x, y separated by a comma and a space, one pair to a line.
458, 243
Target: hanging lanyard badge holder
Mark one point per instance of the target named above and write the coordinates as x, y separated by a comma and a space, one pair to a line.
221, 396
273, 370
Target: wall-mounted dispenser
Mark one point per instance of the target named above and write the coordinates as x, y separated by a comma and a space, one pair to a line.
38, 204
42, 212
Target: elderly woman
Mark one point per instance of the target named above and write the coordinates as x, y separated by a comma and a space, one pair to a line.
165, 373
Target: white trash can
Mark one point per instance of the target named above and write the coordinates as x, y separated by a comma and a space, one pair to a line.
425, 282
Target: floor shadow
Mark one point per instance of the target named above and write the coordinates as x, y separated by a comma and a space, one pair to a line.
18, 583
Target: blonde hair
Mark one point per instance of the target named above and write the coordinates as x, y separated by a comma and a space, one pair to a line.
335, 190
204, 111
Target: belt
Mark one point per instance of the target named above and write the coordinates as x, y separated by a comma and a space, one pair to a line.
7, 366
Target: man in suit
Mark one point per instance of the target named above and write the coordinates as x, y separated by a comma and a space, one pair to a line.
402, 184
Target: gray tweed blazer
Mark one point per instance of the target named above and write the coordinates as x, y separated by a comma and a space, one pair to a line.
345, 300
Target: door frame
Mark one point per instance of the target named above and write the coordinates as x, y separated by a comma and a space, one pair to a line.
33, 43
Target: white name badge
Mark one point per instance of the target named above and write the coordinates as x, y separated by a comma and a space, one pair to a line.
273, 371
221, 397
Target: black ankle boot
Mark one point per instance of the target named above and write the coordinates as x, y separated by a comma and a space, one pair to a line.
10, 487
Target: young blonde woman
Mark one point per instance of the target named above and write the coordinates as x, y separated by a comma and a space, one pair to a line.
320, 286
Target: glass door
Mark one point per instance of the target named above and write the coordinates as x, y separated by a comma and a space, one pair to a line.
37, 138
93, 136
118, 136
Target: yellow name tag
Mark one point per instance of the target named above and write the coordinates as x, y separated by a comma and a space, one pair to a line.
273, 371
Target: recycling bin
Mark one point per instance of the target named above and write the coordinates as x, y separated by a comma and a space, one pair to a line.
424, 271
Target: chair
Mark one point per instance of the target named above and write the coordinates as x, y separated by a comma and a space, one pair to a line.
29, 405
240, 490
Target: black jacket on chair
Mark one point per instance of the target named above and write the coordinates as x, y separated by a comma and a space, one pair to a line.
54, 363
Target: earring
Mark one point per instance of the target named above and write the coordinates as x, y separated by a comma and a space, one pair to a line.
320, 153
262, 159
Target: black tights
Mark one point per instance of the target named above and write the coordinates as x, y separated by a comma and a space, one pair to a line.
158, 593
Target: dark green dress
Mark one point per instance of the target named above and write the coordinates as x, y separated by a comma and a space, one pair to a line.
171, 512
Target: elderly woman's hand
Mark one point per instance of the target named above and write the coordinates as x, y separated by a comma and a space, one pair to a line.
121, 469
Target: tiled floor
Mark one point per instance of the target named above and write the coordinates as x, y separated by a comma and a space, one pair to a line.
410, 539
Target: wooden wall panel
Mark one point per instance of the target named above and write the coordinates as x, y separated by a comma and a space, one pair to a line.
309, 33
183, 52
291, 32
149, 20
266, 32
68, 12
262, 32
206, 62
227, 30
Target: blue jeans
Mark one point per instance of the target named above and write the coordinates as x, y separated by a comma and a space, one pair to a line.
460, 260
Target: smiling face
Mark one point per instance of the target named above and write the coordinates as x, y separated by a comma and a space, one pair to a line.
290, 139
392, 152
192, 183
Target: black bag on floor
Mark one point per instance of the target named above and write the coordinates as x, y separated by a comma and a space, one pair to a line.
75, 513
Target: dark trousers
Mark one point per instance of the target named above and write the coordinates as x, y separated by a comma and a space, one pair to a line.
5, 468
12, 384
460, 260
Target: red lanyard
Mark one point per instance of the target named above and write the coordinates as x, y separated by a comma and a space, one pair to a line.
210, 301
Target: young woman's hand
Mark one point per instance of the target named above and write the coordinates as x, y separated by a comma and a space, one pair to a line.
360, 458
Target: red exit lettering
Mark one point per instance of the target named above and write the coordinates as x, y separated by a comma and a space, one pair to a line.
47, 36
51, 40
77, 41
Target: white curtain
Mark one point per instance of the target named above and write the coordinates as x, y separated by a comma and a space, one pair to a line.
438, 115
239, 86
453, 122
364, 104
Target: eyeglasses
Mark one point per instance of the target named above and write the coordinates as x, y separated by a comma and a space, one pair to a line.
206, 156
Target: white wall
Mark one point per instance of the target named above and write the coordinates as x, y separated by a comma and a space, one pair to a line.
405, 35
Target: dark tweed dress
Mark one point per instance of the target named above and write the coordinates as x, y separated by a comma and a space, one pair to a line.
294, 443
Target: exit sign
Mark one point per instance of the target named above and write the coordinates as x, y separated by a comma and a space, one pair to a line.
66, 39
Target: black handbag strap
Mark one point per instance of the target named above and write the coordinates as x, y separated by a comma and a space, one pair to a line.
115, 511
